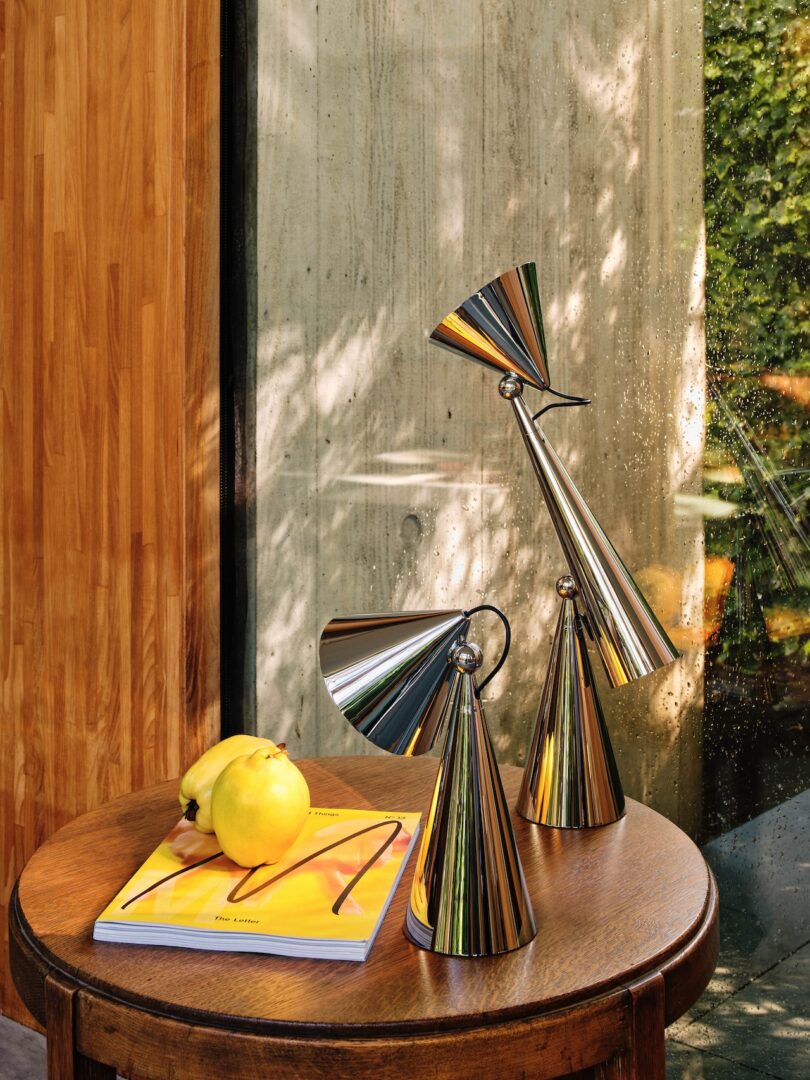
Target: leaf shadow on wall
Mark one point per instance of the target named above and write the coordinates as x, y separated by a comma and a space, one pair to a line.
404, 160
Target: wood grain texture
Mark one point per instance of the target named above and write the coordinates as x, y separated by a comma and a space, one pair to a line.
407, 154
59, 1000
109, 391
65, 1062
645, 1054
539, 1049
614, 906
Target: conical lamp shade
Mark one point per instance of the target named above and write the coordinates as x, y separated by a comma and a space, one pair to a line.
630, 639
469, 896
388, 673
501, 326
571, 780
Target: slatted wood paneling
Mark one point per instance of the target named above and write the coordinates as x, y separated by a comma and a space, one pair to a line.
109, 426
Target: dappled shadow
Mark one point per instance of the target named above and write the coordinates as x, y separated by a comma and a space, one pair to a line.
407, 156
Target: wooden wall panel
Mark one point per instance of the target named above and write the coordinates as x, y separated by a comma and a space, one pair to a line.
109, 189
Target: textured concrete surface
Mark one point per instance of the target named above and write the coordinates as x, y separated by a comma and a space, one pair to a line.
407, 154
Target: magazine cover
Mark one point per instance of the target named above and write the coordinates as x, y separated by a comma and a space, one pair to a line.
331, 887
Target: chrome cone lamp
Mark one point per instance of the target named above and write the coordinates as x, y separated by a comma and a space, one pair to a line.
501, 326
400, 679
571, 780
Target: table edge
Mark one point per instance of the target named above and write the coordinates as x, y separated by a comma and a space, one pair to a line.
695, 955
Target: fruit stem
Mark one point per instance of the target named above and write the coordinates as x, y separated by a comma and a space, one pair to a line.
190, 813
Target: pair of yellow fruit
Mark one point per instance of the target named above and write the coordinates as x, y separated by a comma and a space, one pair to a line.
247, 791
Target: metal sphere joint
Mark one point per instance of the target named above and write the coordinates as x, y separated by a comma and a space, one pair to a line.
467, 657
567, 587
510, 387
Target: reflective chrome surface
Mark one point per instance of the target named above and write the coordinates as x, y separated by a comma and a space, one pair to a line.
571, 780
469, 896
388, 674
630, 639
501, 326
398, 678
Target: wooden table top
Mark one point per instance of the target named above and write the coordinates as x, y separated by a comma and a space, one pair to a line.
611, 904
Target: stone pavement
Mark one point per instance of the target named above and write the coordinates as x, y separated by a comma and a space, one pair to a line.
754, 1018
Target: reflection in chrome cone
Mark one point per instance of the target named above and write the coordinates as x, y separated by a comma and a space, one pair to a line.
571, 780
469, 896
388, 673
501, 326
398, 678
630, 639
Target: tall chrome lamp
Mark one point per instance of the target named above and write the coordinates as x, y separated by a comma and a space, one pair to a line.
400, 678
501, 326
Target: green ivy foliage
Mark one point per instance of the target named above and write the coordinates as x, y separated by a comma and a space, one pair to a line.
757, 204
757, 193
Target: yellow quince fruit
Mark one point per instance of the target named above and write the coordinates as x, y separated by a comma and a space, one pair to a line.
196, 785
258, 806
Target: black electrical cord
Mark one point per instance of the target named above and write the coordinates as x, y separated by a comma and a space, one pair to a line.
570, 401
506, 644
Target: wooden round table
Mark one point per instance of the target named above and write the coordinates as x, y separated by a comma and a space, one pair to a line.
627, 940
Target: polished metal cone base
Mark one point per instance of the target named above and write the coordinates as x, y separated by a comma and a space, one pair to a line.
388, 674
469, 896
571, 780
501, 326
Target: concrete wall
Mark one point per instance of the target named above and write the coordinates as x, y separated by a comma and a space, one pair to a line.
408, 153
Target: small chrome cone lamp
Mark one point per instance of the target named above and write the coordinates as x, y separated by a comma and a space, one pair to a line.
571, 780
400, 678
501, 326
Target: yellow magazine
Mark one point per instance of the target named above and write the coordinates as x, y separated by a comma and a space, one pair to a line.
325, 899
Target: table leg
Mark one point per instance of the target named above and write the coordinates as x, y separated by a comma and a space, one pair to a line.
64, 1060
645, 1057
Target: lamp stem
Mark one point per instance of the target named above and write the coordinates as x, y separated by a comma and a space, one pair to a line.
630, 639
